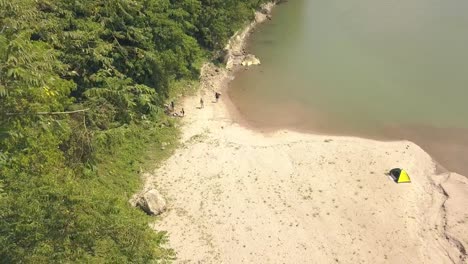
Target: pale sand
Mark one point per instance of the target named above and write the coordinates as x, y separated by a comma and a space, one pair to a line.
240, 196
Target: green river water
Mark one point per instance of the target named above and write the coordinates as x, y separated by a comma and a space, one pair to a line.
385, 69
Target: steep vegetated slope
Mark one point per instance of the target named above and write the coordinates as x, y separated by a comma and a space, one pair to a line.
82, 85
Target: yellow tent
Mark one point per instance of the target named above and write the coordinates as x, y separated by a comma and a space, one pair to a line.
404, 177
400, 176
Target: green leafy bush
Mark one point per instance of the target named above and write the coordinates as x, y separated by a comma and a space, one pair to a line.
82, 87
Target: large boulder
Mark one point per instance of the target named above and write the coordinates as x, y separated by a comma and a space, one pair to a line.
152, 202
250, 60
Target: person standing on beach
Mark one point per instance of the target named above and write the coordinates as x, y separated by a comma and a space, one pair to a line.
202, 103
182, 112
217, 95
172, 105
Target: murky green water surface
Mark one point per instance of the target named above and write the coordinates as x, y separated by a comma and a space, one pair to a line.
372, 68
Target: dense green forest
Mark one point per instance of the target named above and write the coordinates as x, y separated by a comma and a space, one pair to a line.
82, 86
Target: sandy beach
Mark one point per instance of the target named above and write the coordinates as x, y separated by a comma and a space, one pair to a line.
236, 195
240, 196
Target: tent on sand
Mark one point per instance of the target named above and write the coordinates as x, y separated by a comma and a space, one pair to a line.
399, 175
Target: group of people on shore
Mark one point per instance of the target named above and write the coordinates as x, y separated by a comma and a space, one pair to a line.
202, 103
172, 112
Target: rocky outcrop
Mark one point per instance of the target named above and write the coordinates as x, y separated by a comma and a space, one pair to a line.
250, 60
151, 202
234, 52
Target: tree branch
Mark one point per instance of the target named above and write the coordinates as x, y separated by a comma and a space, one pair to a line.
50, 113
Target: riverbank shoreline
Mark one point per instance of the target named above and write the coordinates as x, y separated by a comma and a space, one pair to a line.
239, 195
344, 96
